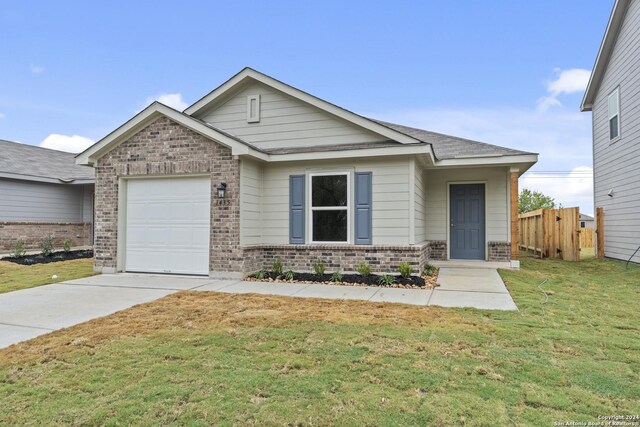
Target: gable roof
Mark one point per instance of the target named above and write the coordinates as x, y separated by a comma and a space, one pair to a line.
401, 140
452, 147
249, 74
604, 53
31, 163
150, 114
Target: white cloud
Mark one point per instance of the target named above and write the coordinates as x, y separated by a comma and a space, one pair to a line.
173, 100
573, 189
69, 143
35, 69
566, 82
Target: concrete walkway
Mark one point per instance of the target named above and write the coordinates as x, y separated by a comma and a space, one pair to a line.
36, 311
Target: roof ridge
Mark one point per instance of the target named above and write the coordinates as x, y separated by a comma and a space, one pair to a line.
22, 144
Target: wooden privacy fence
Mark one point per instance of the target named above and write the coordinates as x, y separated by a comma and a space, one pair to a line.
587, 237
551, 233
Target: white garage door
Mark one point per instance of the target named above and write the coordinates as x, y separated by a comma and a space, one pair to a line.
167, 228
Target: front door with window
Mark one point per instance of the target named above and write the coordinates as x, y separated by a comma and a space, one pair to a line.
467, 221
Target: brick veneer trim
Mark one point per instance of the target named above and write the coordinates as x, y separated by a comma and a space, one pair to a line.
499, 251
381, 258
166, 148
32, 233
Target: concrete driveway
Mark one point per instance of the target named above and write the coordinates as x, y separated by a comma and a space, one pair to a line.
32, 312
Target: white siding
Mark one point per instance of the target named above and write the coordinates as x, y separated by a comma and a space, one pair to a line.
420, 206
34, 201
496, 200
284, 121
390, 204
251, 178
616, 164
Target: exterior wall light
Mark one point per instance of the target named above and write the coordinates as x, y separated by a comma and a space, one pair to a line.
222, 189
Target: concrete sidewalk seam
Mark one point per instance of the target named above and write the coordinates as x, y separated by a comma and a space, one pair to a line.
26, 326
121, 287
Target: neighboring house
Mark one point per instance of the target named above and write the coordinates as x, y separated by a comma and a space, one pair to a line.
586, 221
613, 97
302, 180
43, 192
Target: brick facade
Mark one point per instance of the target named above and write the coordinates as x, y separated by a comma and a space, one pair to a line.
438, 250
167, 148
499, 251
382, 259
33, 232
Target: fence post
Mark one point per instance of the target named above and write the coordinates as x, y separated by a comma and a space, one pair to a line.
599, 232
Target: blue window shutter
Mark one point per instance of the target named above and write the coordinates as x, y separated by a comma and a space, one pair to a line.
363, 208
296, 209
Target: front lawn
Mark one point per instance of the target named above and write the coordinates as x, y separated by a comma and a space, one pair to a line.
14, 277
572, 353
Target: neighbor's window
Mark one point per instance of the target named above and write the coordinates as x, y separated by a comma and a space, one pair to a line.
329, 208
583, 224
614, 114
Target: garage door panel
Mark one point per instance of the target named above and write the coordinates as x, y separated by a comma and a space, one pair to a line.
168, 225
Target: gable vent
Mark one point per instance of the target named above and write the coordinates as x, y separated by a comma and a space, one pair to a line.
253, 108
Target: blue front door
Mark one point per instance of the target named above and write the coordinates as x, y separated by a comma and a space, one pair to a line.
466, 225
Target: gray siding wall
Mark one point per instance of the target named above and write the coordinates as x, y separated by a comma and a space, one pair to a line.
26, 201
284, 121
420, 206
390, 188
251, 178
616, 164
496, 200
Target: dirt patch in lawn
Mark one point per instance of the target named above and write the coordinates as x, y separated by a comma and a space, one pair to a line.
212, 311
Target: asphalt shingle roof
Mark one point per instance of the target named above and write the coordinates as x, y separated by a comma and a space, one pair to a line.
29, 160
453, 147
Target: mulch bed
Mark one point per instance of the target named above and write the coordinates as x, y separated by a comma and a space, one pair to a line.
413, 282
54, 257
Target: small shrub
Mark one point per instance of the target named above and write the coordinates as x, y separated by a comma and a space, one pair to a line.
46, 245
405, 270
364, 269
260, 275
386, 280
429, 270
18, 249
288, 275
318, 267
277, 267
66, 245
336, 276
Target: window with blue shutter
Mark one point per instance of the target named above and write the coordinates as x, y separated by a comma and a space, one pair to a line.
363, 195
296, 209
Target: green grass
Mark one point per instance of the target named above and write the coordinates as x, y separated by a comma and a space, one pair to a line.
571, 353
14, 277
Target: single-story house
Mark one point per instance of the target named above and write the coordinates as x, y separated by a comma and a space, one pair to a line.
587, 221
258, 170
43, 192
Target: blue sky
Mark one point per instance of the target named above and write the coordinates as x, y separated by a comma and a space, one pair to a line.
504, 72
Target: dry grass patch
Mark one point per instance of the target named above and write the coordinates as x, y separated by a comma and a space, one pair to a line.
572, 352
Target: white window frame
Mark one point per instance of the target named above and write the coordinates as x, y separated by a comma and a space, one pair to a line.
616, 93
311, 209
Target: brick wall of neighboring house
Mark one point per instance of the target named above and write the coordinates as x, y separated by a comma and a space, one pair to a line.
32, 234
499, 251
167, 148
346, 257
